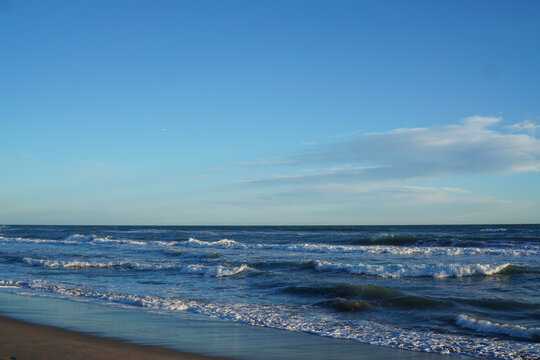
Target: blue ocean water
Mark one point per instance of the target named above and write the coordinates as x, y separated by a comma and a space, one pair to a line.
469, 290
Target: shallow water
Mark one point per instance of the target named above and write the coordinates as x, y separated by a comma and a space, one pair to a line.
195, 333
471, 290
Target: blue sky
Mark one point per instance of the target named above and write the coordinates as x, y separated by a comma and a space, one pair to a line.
269, 112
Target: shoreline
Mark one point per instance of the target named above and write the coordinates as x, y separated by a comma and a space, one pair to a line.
161, 336
43, 325
24, 340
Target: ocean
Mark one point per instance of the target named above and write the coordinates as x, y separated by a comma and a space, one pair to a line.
470, 290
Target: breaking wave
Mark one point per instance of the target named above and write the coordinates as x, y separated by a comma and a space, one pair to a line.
36, 241
195, 269
217, 271
423, 270
223, 243
401, 250
491, 327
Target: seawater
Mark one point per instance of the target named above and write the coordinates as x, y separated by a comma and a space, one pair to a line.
465, 290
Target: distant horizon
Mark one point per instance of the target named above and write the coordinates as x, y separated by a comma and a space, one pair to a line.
279, 225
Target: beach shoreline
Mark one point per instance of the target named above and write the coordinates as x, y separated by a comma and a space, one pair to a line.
105, 331
24, 340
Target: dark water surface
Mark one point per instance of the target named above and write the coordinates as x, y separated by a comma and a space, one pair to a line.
470, 290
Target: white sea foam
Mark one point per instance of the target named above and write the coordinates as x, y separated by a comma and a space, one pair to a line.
402, 250
223, 244
165, 243
93, 239
423, 270
493, 230
108, 239
72, 264
315, 322
36, 241
217, 271
195, 269
136, 242
80, 237
72, 239
11, 284
90, 239
76, 264
487, 326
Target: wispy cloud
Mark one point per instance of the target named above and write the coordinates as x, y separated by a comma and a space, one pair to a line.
374, 203
395, 189
476, 145
524, 126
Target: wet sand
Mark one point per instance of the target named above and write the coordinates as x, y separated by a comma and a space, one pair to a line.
25, 341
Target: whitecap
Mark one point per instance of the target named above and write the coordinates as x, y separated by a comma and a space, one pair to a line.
195, 269
223, 243
217, 271
422, 270
36, 241
492, 327
71, 264
402, 250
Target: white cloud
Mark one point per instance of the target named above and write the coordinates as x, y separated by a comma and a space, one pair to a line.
471, 147
524, 126
416, 194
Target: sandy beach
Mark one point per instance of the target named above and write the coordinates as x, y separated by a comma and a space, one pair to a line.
25, 341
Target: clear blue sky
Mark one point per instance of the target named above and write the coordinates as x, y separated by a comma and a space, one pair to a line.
269, 112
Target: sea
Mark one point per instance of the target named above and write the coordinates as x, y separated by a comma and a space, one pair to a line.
465, 290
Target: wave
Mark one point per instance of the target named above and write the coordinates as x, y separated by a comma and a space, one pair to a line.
76, 239
493, 230
491, 327
304, 247
408, 301
10, 258
80, 237
498, 304
339, 290
423, 270
223, 244
402, 250
11, 284
345, 305
394, 239
107, 239
195, 269
93, 239
71, 264
365, 296
296, 319
217, 271
36, 241
76, 264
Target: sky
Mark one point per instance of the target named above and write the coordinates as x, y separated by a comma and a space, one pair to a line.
269, 112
